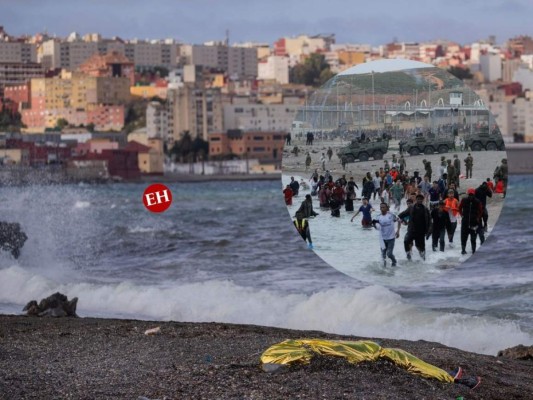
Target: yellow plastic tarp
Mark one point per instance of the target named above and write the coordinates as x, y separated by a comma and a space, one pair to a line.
302, 351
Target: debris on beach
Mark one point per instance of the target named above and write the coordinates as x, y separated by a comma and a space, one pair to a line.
153, 331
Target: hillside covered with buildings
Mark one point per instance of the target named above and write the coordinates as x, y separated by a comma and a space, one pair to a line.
124, 108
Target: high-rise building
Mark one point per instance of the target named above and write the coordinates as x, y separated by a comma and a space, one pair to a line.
196, 110
159, 121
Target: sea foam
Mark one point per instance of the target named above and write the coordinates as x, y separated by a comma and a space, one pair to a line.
373, 311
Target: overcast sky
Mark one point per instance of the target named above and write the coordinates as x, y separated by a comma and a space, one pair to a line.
196, 21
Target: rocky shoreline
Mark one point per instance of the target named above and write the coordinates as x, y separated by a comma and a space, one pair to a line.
90, 358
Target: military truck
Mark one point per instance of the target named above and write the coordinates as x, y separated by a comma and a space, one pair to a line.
362, 151
428, 144
483, 138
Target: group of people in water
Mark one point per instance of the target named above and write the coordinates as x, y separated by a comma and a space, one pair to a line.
433, 209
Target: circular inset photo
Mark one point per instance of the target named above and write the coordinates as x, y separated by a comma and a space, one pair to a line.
395, 171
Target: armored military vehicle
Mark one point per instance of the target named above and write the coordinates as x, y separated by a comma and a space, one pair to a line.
428, 144
483, 138
362, 151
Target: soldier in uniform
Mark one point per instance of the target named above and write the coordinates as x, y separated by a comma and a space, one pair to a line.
469, 163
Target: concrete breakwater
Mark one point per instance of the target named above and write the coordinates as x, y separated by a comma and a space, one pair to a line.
520, 158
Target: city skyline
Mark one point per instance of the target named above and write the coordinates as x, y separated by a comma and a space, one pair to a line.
268, 21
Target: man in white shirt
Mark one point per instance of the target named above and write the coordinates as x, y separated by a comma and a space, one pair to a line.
387, 233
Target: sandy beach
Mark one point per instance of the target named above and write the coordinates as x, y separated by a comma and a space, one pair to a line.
86, 358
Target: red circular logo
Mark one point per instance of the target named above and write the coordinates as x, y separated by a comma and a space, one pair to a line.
157, 198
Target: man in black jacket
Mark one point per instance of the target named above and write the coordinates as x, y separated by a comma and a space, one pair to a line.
306, 208
471, 210
418, 227
482, 192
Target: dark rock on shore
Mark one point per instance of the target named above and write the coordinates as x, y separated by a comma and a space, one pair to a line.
519, 352
86, 358
12, 238
56, 305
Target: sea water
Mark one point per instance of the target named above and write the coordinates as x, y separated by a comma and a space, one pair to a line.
228, 252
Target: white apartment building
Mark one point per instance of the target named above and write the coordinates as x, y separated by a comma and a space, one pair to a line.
260, 117
17, 52
238, 62
524, 76
274, 68
491, 66
159, 121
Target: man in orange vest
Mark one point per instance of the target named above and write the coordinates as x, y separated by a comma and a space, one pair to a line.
451, 205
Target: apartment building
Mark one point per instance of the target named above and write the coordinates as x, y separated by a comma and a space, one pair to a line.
196, 110
267, 147
13, 74
523, 117
520, 45
238, 62
503, 114
509, 67
524, 76
260, 117
79, 99
17, 52
19, 94
263, 49
340, 60
303, 45
112, 64
152, 54
491, 66
57, 54
159, 121
274, 68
